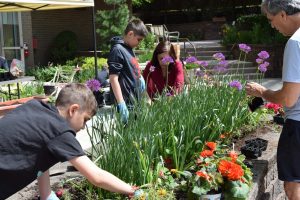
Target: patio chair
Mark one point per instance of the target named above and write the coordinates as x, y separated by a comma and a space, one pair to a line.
161, 32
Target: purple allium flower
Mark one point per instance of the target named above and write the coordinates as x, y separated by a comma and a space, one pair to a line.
223, 63
167, 60
152, 68
236, 84
219, 56
263, 55
169, 94
259, 60
202, 63
191, 59
245, 48
93, 84
199, 72
220, 69
263, 67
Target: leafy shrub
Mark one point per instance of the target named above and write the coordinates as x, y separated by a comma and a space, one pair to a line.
112, 22
145, 57
64, 47
147, 43
251, 29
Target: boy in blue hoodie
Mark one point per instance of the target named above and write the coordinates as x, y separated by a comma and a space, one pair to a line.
125, 77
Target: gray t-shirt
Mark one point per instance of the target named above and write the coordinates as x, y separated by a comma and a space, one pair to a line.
291, 71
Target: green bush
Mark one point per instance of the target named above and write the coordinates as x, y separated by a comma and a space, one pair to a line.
251, 29
148, 43
64, 47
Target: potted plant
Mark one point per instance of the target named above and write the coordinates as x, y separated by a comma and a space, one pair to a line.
219, 171
95, 86
61, 75
277, 109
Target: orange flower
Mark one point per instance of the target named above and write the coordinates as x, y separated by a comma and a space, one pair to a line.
230, 170
206, 153
222, 136
211, 145
203, 175
233, 155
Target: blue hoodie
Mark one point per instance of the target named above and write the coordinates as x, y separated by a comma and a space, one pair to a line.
122, 61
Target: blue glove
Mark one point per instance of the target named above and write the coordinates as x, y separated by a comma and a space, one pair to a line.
138, 194
52, 196
123, 110
142, 84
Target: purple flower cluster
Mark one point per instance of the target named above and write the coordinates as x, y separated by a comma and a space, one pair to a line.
262, 64
236, 84
199, 73
245, 48
219, 56
202, 63
191, 59
167, 59
93, 84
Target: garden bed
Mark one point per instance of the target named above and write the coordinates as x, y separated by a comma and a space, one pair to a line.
266, 185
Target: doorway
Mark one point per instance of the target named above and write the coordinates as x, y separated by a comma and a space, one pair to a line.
11, 37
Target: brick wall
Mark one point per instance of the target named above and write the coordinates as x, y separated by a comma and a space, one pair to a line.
27, 37
266, 185
47, 24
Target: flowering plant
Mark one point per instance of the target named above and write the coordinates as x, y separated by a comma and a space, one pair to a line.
276, 108
93, 84
217, 168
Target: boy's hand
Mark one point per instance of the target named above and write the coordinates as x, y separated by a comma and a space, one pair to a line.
52, 196
123, 110
142, 84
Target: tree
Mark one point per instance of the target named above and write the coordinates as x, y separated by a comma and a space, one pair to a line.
112, 22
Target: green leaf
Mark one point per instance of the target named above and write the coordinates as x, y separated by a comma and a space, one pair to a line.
199, 190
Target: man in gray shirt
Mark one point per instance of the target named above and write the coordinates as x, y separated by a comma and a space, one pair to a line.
284, 15
3, 63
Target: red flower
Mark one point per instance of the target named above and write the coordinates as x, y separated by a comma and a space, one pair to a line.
233, 155
206, 153
230, 170
168, 162
203, 175
211, 145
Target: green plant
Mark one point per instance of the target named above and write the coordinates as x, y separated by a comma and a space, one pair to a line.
251, 29
144, 57
147, 43
112, 22
64, 47
216, 167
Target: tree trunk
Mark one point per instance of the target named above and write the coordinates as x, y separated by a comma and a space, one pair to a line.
129, 3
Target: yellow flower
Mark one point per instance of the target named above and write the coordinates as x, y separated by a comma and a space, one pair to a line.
173, 171
162, 192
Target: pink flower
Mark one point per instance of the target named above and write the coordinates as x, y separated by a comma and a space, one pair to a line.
152, 68
263, 55
245, 48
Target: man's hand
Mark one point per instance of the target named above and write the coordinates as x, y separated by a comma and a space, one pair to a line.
255, 89
123, 110
142, 84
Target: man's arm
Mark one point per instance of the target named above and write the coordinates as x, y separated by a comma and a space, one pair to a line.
99, 177
44, 185
113, 78
287, 95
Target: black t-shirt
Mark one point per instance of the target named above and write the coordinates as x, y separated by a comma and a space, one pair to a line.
33, 137
122, 61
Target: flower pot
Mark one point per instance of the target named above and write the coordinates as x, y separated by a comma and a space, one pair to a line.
278, 119
99, 97
49, 89
255, 103
210, 197
258, 142
251, 152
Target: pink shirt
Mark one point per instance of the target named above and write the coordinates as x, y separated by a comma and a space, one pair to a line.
156, 83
